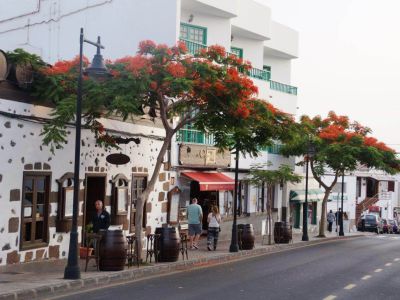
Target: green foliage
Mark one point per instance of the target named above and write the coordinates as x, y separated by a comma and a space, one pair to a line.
21, 57
284, 174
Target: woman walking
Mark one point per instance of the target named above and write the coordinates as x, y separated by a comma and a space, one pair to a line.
214, 220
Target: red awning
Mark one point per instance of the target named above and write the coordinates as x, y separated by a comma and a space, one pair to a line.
212, 181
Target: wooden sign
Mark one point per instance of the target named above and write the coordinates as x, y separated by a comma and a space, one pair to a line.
200, 155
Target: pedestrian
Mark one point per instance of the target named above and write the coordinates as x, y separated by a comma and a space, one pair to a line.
338, 216
330, 218
195, 218
214, 221
101, 218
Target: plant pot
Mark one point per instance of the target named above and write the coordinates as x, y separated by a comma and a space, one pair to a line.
84, 252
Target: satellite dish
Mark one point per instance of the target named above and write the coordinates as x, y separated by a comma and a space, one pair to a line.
117, 159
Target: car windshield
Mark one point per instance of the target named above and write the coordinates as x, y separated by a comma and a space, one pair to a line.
370, 218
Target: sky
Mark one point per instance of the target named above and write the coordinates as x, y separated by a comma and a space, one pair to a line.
349, 60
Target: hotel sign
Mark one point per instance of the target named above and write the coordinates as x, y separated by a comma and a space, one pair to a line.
204, 156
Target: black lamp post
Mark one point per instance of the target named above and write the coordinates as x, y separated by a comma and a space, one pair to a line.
310, 153
96, 69
340, 216
234, 247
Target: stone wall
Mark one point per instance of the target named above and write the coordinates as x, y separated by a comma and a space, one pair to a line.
21, 150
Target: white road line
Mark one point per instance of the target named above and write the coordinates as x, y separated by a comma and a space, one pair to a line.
366, 277
378, 270
350, 286
330, 297
388, 264
396, 259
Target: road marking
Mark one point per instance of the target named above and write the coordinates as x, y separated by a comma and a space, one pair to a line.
330, 297
378, 270
396, 259
366, 277
350, 286
388, 264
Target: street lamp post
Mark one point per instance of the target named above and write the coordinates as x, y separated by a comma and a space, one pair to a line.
310, 153
341, 232
234, 247
96, 70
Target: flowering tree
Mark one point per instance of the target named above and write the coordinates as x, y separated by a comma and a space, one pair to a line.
340, 145
209, 89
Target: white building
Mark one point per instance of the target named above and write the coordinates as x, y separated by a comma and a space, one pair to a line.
35, 186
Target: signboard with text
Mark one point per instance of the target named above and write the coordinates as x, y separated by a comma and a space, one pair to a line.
201, 155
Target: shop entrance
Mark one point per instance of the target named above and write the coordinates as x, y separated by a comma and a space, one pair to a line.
95, 190
206, 199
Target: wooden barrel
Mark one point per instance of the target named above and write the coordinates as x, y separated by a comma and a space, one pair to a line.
21, 75
247, 236
4, 66
168, 244
112, 251
282, 232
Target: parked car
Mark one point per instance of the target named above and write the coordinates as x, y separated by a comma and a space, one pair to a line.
386, 226
395, 226
371, 222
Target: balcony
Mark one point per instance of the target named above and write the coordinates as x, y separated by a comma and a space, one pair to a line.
264, 75
194, 137
274, 149
282, 87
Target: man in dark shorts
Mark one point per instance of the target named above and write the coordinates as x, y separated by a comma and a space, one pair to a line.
195, 216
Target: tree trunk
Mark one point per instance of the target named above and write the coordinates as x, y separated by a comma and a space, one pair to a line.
142, 200
322, 224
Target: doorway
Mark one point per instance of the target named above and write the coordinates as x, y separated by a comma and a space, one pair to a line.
206, 199
95, 190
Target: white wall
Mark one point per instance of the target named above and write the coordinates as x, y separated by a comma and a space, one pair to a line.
284, 41
281, 68
252, 50
253, 19
53, 31
21, 144
218, 28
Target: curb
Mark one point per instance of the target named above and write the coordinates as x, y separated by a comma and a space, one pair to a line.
160, 269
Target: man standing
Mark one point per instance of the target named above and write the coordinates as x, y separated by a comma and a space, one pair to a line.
330, 218
101, 219
195, 217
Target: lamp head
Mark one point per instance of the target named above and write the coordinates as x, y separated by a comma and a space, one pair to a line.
97, 69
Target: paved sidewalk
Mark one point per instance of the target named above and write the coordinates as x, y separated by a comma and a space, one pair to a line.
44, 279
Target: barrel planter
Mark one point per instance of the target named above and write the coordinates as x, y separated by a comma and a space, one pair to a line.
282, 232
112, 251
4, 66
246, 236
168, 244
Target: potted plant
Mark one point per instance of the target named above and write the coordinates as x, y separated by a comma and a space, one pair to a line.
84, 251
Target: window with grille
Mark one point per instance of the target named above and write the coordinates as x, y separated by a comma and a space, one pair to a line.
139, 183
35, 211
237, 51
193, 33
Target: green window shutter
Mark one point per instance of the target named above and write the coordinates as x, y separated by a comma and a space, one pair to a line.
237, 51
268, 70
193, 33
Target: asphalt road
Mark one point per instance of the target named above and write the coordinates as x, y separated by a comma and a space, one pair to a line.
364, 268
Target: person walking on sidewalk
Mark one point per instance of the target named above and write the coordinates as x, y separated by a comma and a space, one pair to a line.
330, 218
195, 218
214, 221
